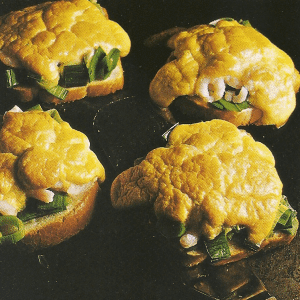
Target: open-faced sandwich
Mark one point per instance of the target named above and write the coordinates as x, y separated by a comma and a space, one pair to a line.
226, 70
49, 179
214, 191
62, 51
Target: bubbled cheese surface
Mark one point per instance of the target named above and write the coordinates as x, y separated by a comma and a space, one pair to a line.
237, 55
210, 176
10, 192
43, 37
50, 154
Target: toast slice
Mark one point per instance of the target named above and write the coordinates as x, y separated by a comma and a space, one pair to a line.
55, 228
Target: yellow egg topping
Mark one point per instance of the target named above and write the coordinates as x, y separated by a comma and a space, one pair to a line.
207, 58
41, 38
38, 153
211, 176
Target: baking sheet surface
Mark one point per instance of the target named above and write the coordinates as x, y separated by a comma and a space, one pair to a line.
113, 258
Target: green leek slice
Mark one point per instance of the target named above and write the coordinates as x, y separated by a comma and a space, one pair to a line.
218, 248
15, 77
228, 19
55, 115
285, 221
15, 229
286, 218
293, 227
59, 204
94, 65
112, 60
75, 75
11, 78
223, 104
101, 65
36, 107
52, 112
57, 91
245, 23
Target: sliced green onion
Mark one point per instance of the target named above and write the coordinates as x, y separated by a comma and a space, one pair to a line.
230, 106
52, 112
282, 208
55, 115
112, 60
37, 107
14, 77
93, 64
218, 248
75, 75
218, 105
14, 228
101, 65
228, 19
245, 23
59, 204
11, 78
284, 200
170, 228
58, 92
292, 230
285, 219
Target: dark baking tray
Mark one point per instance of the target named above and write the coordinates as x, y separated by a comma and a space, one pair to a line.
113, 258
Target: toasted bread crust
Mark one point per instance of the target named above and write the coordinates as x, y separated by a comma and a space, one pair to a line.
54, 229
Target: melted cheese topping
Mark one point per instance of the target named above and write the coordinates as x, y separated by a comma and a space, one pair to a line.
12, 197
210, 176
43, 37
50, 154
233, 54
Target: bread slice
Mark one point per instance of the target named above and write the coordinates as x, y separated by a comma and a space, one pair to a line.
53, 229
93, 89
194, 109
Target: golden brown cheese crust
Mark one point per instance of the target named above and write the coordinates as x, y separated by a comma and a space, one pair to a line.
206, 57
50, 154
43, 37
210, 176
10, 191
